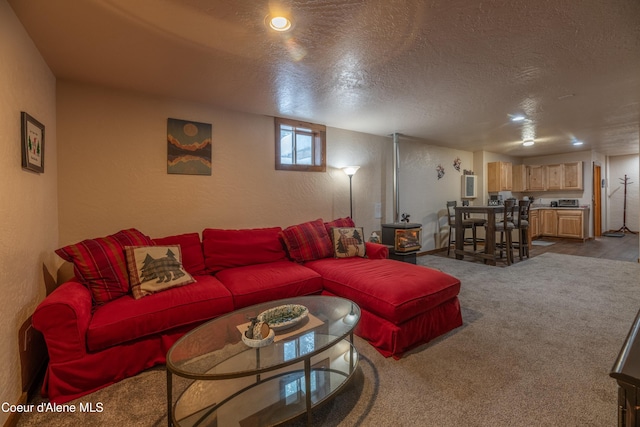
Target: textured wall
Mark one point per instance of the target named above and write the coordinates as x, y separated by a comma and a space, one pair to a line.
113, 171
29, 226
422, 194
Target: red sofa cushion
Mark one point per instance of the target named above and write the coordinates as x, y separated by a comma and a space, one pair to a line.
237, 248
307, 241
393, 290
126, 319
258, 283
191, 248
100, 263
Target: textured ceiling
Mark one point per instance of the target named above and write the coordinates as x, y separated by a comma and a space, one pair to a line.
449, 72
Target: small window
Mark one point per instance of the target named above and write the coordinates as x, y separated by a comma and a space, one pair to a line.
300, 146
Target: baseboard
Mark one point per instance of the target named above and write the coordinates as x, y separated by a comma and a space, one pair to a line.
432, 251
14, 417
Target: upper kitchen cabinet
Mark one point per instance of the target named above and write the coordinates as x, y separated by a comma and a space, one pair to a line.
537, 175
572, 176
562, 176
554, 177
499, 177
565, 176
519, 178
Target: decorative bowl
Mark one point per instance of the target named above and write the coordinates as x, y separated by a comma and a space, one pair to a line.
259, 343
284, 316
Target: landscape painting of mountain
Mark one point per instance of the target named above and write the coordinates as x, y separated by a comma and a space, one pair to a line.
188, 147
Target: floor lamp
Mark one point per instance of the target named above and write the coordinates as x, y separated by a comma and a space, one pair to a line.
350, 171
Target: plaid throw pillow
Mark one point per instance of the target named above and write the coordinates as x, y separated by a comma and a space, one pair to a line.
100, 263
155, 268
307, 241
340, 222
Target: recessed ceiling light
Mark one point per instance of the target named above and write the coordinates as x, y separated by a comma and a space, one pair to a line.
528, 142
518, 118
279, 23
576, 142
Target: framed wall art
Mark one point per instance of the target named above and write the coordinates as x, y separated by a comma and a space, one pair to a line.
32, 144
188, 147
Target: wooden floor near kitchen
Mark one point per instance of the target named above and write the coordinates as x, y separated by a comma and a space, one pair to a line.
616, 248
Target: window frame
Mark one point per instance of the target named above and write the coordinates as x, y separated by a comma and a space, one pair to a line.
319, 145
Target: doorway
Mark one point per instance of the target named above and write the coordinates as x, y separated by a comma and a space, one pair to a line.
597, 200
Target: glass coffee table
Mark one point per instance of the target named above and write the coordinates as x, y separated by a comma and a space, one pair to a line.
224, 382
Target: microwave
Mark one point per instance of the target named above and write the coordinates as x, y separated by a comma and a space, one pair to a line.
568, 203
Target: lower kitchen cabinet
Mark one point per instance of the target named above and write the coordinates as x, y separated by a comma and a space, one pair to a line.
548, 222
534, 224
571, 223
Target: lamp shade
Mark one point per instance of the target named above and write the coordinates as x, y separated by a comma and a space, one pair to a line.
350, 170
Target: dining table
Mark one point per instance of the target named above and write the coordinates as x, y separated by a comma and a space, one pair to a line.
489, 252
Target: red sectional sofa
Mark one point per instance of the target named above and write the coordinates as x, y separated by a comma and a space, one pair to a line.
94, 341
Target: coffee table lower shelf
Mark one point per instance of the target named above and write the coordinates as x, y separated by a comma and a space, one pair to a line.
269, 398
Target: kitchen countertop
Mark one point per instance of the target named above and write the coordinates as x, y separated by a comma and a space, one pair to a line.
537, 207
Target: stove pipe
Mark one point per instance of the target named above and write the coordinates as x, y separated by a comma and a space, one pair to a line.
396, 184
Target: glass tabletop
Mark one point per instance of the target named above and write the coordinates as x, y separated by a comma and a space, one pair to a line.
215, 350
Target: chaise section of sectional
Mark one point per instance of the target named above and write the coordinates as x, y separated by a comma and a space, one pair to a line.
403, 305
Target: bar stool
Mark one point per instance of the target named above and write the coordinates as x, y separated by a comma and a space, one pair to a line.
522, 224
505, 227
477, 222
466, 223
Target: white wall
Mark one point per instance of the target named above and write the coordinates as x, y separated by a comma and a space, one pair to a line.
422, 195
619, 166
29, 226
113, 170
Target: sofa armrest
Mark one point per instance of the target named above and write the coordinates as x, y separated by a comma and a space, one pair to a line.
376, 250
63, 318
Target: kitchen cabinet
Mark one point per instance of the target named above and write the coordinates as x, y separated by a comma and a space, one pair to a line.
572, 176
548, 222
571, 223
536, 180
534, 224
554, 177
503, 176
562, 176
519, 178
499, 177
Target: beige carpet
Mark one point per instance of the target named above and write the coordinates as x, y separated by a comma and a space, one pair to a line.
536, 347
